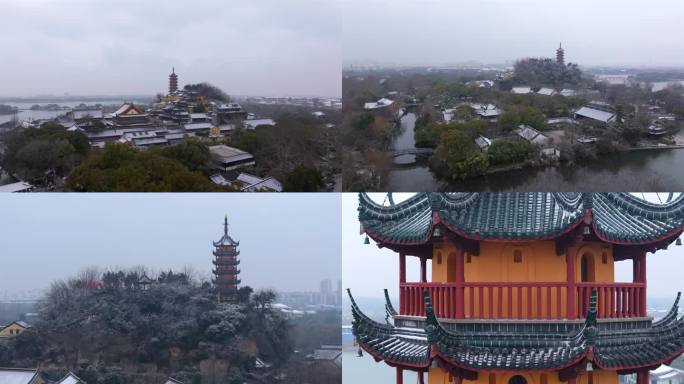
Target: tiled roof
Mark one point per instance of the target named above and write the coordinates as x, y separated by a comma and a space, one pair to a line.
524, 345
615, 217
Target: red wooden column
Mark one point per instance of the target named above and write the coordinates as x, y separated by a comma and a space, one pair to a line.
642, 279
423, 269
421, 379
460, 282
572, 380
403, 297
642, 377
570, 261
400, 375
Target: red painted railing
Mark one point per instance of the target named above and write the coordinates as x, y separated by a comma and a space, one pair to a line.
523, 300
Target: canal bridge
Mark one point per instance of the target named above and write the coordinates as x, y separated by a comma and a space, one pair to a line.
413, 151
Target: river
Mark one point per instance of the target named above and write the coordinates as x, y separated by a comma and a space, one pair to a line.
25, 113
647, 170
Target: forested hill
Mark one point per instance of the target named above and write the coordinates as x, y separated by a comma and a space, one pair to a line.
115, 334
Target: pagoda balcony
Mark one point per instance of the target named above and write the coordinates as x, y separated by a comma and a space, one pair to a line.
228, 262
523, 300
225, 271
219, 252
226, 281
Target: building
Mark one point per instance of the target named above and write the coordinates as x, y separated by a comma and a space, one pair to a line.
522, 90
486, 111
19, 186
20, 376
483, 143
226, 264
597, 113
13, 329
560, 55
173, 82
228, 113
382, 103
70, 378
171, 380
523, 287
547, 92
128, 115
228, 158
532, 135
667, 375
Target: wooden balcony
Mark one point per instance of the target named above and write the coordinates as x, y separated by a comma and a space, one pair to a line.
523, 300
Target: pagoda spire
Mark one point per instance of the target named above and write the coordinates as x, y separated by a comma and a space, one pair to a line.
225, 226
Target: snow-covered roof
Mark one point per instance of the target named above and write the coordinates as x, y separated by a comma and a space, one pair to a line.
532, 135
546, 91
254, 183
384, 102
483, 142
253, 123
19, 186
521, 90
485, 110
70, 378
568, 92
82, 114
17, 375
219, 179
595, 114
197, 126
198, 116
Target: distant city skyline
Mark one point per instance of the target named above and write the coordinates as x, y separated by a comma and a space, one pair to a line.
266, 48
289, 242
628, 33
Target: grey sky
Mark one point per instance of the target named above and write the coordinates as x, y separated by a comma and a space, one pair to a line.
287, 241
367, 269
114, 47
433, 32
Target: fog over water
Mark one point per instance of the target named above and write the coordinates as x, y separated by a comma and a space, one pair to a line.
438, 32
124, 47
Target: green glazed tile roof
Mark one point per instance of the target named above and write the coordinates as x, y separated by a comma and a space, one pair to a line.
616, 217
626, 344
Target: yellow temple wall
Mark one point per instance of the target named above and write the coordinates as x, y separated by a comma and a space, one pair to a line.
539, 263
438, 376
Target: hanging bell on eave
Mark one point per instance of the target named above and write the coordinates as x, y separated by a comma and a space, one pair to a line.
678, 241
587, 230
590, 367
367, 240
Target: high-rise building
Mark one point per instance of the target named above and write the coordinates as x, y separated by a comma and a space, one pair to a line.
173, 81
226, 262
326, 286
523, 287
560, 55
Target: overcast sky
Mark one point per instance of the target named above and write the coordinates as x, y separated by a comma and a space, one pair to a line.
287, 241
367, 269
115, 47
433, 32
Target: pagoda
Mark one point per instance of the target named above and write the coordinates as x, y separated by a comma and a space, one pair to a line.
522, 287
226, 266
560, 55
173, 82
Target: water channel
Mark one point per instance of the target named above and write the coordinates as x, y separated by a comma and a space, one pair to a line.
647, 170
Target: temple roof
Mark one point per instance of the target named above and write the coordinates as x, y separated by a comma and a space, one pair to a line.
472, 346
226, 239
614, 217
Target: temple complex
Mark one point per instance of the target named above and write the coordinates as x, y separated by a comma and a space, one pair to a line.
226, 264
129, 115
522, 288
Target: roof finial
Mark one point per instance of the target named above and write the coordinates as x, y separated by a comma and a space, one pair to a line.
173, 69
225, 226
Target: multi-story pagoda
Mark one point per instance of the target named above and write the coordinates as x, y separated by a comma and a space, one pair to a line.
173, 82
560, 54
226, 264
523, 287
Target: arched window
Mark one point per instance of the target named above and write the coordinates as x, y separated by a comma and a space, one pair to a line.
517, 256
517, 379
587, 268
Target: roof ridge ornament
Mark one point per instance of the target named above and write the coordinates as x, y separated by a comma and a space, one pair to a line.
389, 308
587, 200
590, 330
